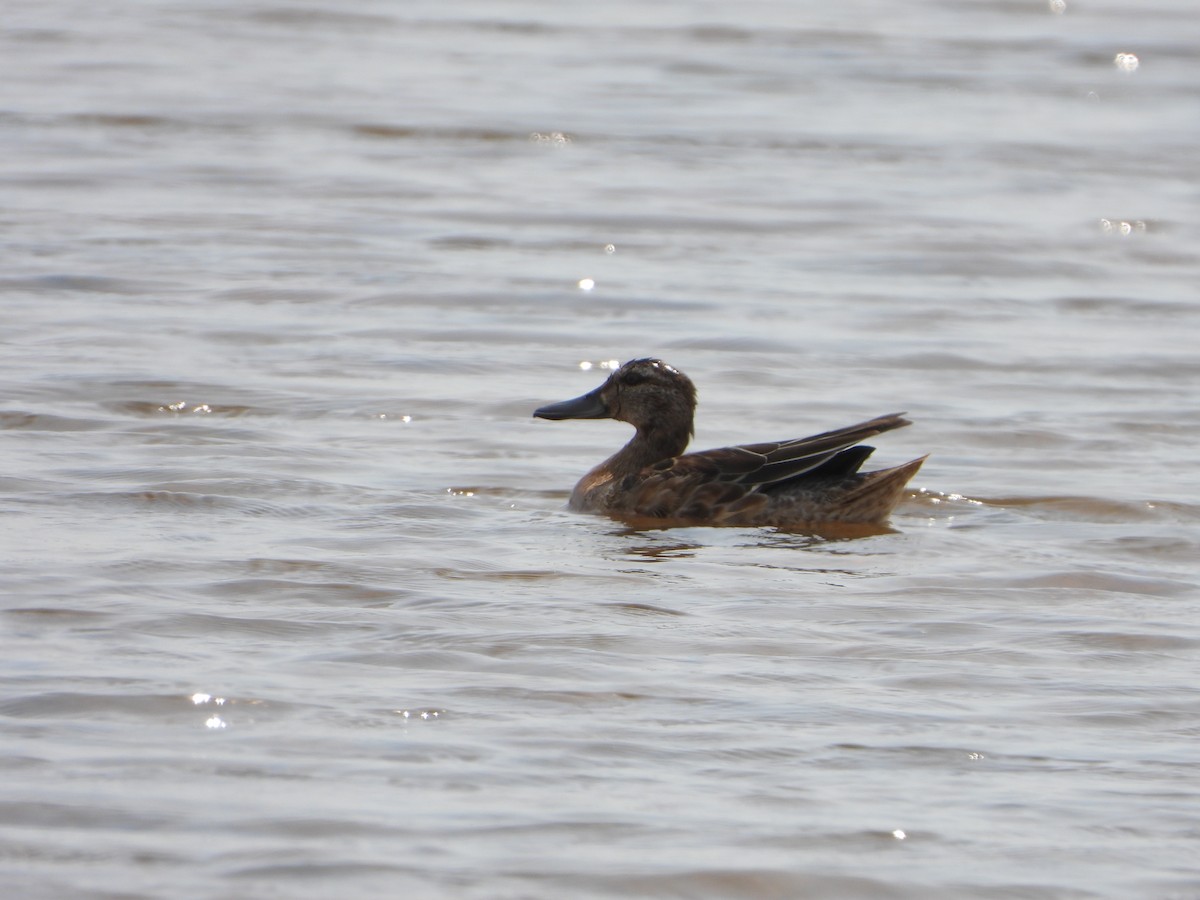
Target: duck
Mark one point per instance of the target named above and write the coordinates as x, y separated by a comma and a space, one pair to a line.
800, 483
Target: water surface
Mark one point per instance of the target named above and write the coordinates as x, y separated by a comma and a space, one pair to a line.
291, 603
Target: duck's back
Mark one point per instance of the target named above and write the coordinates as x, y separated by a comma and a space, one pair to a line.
695, 487
804, 481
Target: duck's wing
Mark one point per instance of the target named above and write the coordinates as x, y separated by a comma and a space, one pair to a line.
762, 465
735, 478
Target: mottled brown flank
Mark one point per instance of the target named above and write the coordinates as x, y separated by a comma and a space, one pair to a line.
807, 481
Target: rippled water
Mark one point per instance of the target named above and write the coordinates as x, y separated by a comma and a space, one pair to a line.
291, 603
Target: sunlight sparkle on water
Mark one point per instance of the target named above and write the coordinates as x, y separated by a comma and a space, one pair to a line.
1123, 228
553, 138
586, 284
424, 714
182, 406
899, 835
1126, 62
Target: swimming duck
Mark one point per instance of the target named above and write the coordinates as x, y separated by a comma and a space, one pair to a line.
801, 482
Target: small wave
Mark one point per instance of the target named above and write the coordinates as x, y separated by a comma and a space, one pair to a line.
17, 420
189, 501
176, 407
90, 284
1097, 509
66, 704
1105, 581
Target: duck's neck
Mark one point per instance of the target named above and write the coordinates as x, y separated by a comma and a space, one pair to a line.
595, 490
650, 445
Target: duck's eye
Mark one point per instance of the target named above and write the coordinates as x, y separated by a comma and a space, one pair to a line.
630, 379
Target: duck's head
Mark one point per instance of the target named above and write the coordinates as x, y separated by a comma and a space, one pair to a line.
646, 393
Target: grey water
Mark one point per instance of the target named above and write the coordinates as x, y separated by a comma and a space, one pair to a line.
290, 603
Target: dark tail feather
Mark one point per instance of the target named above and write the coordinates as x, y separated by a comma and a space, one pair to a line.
843, 465
880, 491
